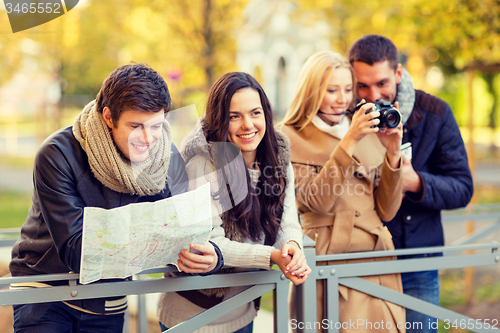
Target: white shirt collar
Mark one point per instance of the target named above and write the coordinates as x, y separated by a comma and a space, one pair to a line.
338, 131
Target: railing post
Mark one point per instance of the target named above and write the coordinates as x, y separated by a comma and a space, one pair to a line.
306, 311
142, 316
332, 297
495, 250
280, 303
469, 271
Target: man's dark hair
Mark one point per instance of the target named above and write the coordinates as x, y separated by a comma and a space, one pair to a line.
135, 87
372, 49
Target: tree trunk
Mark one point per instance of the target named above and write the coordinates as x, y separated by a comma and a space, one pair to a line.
209, 44
492, 123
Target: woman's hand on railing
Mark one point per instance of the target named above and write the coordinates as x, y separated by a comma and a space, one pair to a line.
202, 260
292, 262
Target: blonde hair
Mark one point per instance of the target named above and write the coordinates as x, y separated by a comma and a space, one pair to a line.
311, 87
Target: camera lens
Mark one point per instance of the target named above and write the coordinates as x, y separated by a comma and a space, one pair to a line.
392, 118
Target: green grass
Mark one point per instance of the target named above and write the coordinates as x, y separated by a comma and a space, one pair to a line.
13, 209
486, 194
489, 291
452, 289
16, 161
266, 302
486, 291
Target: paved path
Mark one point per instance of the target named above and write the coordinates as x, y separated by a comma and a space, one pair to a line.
16, 179
487, 174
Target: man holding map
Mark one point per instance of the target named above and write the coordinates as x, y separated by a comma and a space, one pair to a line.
118, 151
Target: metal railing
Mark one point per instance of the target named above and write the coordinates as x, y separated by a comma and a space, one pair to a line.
350, 275
261, 282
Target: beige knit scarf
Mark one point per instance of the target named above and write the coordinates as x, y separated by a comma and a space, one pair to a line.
113, 169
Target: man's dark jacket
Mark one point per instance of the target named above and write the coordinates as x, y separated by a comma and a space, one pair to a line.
51, 237
440, 160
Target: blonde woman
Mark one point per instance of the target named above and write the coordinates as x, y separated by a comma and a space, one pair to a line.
348, 179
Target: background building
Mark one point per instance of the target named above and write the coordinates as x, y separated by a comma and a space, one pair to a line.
273, 44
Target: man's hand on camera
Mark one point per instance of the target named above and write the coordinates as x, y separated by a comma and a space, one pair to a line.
391, 139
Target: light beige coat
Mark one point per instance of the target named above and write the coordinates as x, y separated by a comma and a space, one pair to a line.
342, 200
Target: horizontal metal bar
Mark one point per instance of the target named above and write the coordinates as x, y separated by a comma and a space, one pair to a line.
406, 301
74, 276
39, 278
108, 289
494, 205
479, 234
7, 242
10, 232
169, 268
406, 265
470, 217
207, 316
401, 252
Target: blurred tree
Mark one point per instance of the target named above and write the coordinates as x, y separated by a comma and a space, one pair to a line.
197, 37
9, 52
454, 34
81, 46
468, 38
194, 37
351, 19
90, 44
492, 119
468, 34
92, 40
205, 31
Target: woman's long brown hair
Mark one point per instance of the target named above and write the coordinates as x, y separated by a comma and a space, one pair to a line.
260, 211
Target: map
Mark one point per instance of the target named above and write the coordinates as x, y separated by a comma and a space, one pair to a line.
123, 241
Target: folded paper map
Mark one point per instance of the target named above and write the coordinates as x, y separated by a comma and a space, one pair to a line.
123, 241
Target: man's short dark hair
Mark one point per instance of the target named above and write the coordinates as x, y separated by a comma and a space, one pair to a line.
372, 49
135, 87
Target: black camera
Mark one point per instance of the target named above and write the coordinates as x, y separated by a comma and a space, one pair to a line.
389, 116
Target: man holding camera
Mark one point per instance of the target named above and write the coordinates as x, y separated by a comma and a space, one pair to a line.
436, 173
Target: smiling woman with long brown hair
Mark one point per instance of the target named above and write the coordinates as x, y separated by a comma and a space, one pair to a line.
256, 223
